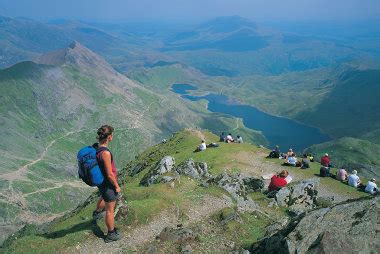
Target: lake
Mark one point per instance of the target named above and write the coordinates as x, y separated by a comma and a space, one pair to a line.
278, 130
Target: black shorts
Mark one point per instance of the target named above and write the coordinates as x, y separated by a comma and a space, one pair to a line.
108, 193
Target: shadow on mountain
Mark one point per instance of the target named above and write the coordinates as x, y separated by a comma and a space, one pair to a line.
87, 225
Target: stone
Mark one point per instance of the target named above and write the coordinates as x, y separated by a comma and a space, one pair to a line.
176, 234
348, 227
186, 249
253, 184
195, 170
299, 198
165, 165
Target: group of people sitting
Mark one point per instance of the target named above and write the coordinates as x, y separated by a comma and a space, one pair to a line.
279, 180
229, 138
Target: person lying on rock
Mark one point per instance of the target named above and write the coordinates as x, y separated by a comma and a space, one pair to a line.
279, 181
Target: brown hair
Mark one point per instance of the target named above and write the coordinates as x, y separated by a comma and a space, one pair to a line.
103, 133
284, 174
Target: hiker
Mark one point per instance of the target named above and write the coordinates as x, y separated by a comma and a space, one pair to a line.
291, 160
202, 146
342, 175
353, 179
325, 160
109, 189
239, 140
371, 187
305, 162
324, 171
275, 153
289, 153
229, 138
222, 137
278, 181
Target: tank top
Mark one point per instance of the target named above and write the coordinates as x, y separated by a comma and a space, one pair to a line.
99, 158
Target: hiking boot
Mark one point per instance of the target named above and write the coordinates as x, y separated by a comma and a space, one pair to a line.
113, 236
97, 215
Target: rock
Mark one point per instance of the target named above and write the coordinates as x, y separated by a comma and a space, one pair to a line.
176, 234
121, 209
186, 249
237, 185
165, 165
195, 170
324, 201
246, 205
348, 227
300, 197
137, 169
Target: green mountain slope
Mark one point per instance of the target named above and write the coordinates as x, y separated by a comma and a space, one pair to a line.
202, 207
49, 110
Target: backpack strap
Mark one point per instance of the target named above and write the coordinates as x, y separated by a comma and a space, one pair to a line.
99, 158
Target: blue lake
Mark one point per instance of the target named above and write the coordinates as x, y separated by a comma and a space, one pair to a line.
279, 131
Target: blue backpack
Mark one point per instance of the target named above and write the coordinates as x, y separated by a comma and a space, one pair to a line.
88, 168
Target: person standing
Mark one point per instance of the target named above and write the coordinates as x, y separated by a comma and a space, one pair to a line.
109, 189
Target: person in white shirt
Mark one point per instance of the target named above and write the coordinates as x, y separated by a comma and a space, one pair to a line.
353, 179
371, 187
229, 138
202, 146
239, 139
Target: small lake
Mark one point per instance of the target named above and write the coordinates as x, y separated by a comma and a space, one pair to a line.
278, 130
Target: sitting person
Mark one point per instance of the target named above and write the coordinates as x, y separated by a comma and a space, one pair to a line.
305, 162
353, 179
278, 181
275, 153
311, 157
324, 171
213, 145
291, 160
289, 153
342, 175
239, 140
229, 138
222, 137
325, 160
371, 187
201, 147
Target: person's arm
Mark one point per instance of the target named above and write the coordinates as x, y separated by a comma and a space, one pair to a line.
106, 156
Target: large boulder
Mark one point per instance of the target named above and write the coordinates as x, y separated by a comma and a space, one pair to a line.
179, 234
300, 197
349, 227
195, 170
237, 185
164, 166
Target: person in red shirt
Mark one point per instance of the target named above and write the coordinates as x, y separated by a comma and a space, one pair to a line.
325, 160
278, 181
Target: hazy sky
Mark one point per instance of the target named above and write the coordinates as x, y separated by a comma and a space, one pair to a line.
192, 9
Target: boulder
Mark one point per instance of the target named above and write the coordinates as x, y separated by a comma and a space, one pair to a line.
348, 227
237, 185
300, 197
165, 165
195, 170
178, 234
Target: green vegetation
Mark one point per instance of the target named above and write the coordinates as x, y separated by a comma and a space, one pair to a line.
146, 203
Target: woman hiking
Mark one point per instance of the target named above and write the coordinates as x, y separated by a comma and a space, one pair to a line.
109, 189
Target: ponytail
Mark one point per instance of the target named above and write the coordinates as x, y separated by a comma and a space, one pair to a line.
103, 133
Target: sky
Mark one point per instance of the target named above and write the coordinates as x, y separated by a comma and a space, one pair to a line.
192, 10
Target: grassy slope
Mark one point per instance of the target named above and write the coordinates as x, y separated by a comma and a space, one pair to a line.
147, 202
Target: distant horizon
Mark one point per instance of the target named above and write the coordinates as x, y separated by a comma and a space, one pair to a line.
119, 11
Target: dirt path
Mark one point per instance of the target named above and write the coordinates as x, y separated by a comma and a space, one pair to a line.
19, 174
146, 233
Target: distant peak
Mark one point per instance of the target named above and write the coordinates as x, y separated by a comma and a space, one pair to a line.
74, 44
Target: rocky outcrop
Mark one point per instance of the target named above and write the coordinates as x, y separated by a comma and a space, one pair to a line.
349, 227
300, 197
179, 234
195, 170
237, 185
165, 165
